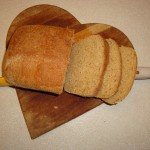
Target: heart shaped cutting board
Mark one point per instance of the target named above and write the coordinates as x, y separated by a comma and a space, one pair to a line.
44, 111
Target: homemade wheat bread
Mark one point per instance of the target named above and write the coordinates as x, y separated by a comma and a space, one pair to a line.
112, 75
37, 57
129, 67
87, 63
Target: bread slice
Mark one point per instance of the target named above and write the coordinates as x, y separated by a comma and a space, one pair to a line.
112, 75
87, 63
37, 57
129, 67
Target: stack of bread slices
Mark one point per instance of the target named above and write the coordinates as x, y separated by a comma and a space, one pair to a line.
101, 68
45, 58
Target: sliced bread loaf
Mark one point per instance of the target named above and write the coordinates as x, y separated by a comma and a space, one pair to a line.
87, 63
37, 57
129, 67
112, 75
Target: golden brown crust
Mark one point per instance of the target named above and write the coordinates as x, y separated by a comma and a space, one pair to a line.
37, 57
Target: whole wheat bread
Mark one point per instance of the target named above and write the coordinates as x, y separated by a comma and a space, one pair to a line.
129, 67
112, 75
86, 68
37, 57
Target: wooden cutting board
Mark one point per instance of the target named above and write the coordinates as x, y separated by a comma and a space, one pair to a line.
44, 111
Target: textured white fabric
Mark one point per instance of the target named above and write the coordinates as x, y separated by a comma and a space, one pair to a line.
125, 126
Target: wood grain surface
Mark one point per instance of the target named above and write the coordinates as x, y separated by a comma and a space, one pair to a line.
45, 111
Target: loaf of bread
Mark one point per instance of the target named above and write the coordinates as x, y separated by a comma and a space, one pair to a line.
86, 68
42, 58
129, 67
112, 75
37, 57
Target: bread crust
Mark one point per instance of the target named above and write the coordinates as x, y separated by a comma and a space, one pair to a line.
37, 57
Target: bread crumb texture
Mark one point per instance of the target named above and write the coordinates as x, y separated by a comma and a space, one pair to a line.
112, 75
86, 66
129, 67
